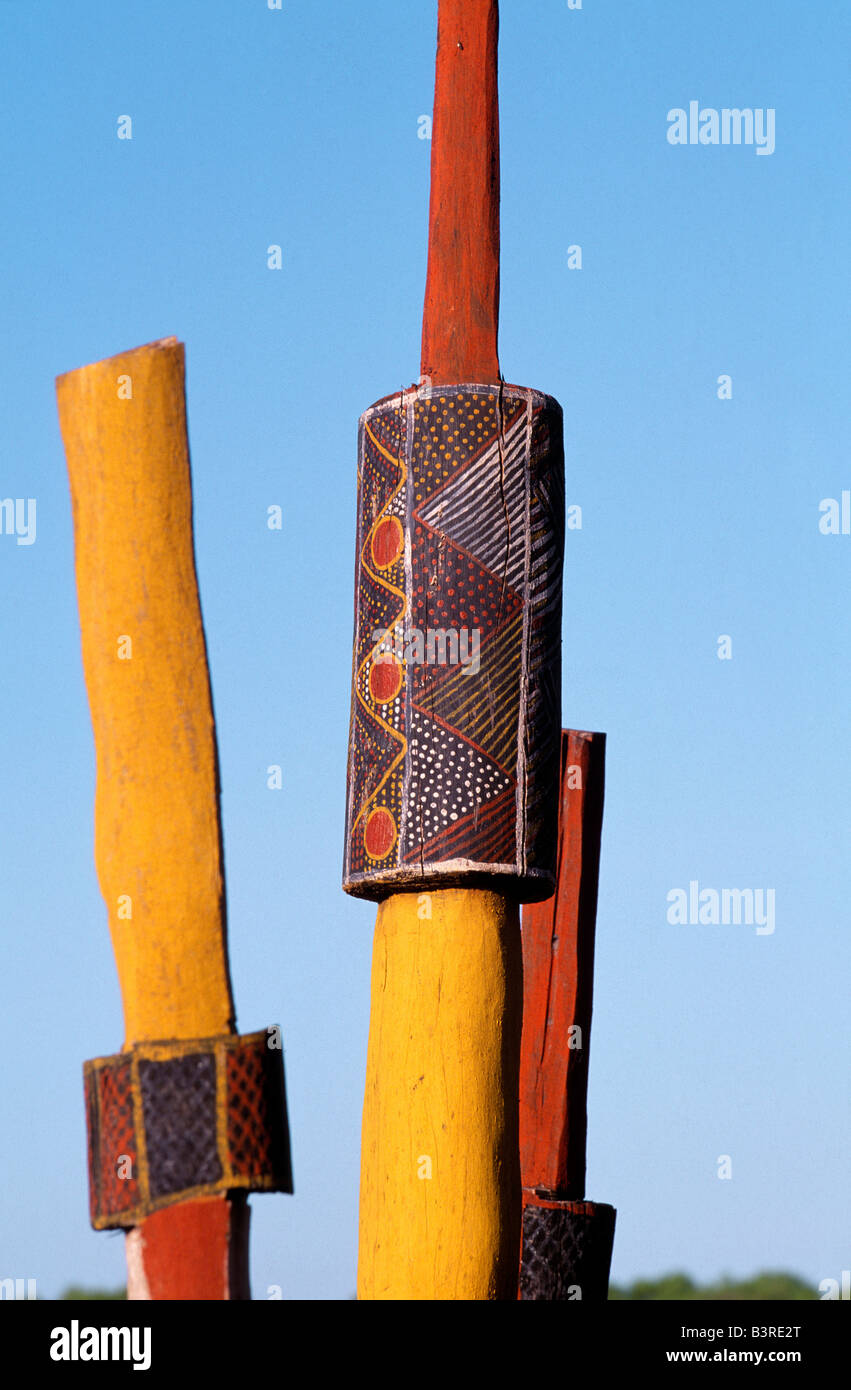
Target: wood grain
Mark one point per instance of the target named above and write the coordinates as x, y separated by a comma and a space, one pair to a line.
440, 1179
558, 977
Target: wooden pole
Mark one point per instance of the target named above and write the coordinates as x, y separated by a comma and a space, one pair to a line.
449, 818
461, 314
158, 843
440, 1183
567, 1241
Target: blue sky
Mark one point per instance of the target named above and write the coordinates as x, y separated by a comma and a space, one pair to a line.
700, 518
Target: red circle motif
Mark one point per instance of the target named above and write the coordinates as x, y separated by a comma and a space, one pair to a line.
388, 542
379, 836
385, 680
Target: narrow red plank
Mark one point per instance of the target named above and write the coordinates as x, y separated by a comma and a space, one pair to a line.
558, 973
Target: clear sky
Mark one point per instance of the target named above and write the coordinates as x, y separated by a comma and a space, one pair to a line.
700, 519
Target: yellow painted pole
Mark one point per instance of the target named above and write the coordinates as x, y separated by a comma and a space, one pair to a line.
440, 1176
157, 832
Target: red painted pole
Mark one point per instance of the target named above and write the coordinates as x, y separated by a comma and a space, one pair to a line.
566, 1240
194, 1251
461, 313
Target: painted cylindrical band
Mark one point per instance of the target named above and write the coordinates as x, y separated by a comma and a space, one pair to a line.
170, 1121
456, 701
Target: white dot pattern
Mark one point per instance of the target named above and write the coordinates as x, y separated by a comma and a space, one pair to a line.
448, 779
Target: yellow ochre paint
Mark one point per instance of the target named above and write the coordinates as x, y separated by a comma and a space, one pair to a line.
157, 829
440, 1172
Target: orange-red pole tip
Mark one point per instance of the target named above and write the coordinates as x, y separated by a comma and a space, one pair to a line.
461, 314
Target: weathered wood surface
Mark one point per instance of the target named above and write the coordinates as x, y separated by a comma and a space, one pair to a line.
460, 320
558, 980
566, 1240
567, 1251
440, 1179
456, 706
157, 829
194, 1251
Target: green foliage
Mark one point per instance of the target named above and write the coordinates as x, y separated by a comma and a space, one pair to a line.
93, 1295
768, 1286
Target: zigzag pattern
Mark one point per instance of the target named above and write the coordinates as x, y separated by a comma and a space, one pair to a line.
466, 763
